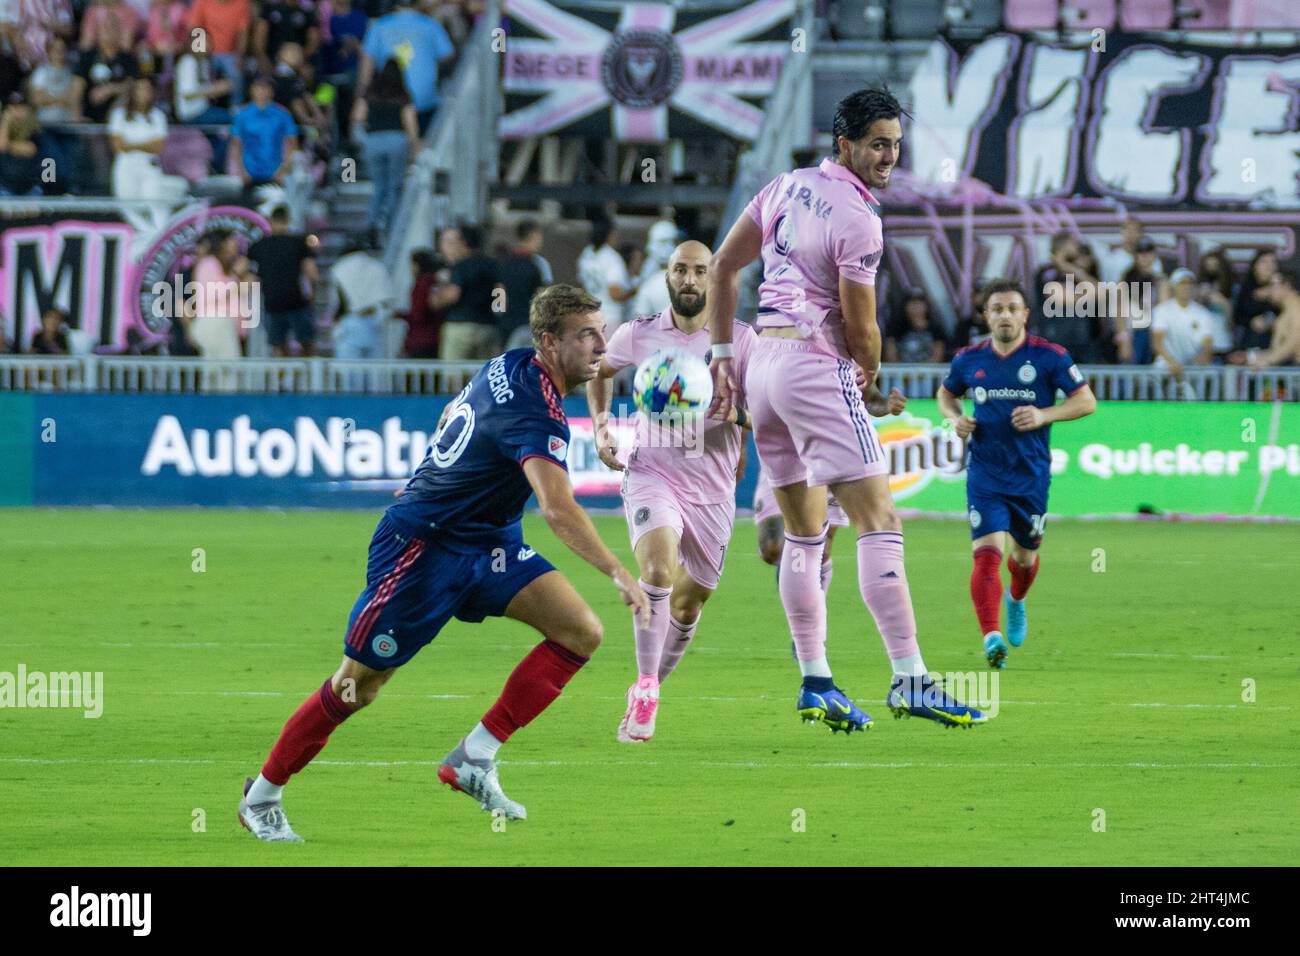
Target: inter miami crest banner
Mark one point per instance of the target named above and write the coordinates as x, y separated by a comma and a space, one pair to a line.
642, 73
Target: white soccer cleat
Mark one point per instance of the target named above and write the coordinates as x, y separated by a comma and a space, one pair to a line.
266, 821
642, 707
478, 779
622, 735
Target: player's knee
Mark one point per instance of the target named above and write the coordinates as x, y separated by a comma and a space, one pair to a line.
769, 549
357, 692
658, 573
880, 516
586, 635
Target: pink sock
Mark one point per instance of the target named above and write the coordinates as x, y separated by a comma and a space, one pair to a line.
828, 572
650, 637
883, 583
801, 593
679, 638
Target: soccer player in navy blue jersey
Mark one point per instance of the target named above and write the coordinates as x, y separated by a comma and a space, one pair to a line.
452, 546
1013, 378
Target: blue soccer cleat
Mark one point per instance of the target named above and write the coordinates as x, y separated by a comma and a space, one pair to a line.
922, 697
1017, 620
996, 650
833, 708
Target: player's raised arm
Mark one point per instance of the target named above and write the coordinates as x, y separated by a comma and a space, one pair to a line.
564, 516
741, 247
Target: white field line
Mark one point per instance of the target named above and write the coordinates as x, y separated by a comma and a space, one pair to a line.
739, 765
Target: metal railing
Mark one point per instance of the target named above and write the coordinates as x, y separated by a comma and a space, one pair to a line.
328, 376
448, 180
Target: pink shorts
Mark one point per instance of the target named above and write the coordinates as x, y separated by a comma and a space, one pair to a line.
765, 505
703, 531
810, 423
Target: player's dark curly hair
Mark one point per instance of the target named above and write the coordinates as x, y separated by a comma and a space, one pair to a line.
1002, 285
856, 112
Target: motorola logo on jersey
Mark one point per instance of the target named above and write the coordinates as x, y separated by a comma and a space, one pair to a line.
983, 394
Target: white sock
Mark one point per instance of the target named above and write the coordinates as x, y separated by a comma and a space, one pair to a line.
910, 666
818, 667
263, 791
481, 745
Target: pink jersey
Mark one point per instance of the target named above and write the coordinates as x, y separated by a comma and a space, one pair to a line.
704, 473
819, 223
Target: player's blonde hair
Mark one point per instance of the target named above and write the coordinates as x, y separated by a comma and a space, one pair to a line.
550, 306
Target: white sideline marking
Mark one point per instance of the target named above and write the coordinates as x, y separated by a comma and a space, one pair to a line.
753, 764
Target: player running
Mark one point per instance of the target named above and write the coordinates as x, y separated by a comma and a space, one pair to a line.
452, 546
1013, 378
679, 496
820, 235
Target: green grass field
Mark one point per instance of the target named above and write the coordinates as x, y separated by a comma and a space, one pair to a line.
1127, 698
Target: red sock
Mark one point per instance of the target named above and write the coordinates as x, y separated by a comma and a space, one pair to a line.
1021, 578
306, 732
531, 687
986, 587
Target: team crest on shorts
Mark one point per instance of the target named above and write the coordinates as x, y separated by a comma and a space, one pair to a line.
975, 518
1027, 373
641, 516
383, 645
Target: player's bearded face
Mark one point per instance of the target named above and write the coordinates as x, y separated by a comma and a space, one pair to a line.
873, 157
686, 293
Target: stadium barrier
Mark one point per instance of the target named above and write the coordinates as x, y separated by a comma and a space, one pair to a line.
329, 376
338, 450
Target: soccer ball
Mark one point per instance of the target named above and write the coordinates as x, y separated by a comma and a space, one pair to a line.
673, 382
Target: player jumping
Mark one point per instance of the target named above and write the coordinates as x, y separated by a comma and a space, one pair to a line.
1013, 378
452, 546
820, 235
680, 497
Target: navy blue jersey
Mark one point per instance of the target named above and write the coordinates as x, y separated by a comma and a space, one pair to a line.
1001, 458
471, 486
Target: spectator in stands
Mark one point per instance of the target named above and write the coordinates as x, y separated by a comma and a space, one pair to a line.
263, 138
1214, 291
195, 87
293, 92
20, 162
1142, 291
917, 337
107, 70
111, 16
469, 330
1182, 328
364, 291
341, 56
281, 23
54, 89
521, 277
27, 26
219, 322
52, 337
971, 328
603, 273
1121, 258
423, 321
391, 139
226, 25
167, 32
12, 73
652, 286
419, 43
1253, 310
285, 264
1284, 343
1068, 312
137, 131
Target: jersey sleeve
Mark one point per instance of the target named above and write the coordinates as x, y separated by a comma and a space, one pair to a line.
1066, 375
955, 381
755, 206
537, 436
619, 352
857, 244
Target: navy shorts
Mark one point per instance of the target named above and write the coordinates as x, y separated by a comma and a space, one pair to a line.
1022, 515
414, 587
301, 322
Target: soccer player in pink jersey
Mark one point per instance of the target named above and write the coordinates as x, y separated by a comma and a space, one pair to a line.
679, 486
821, 238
